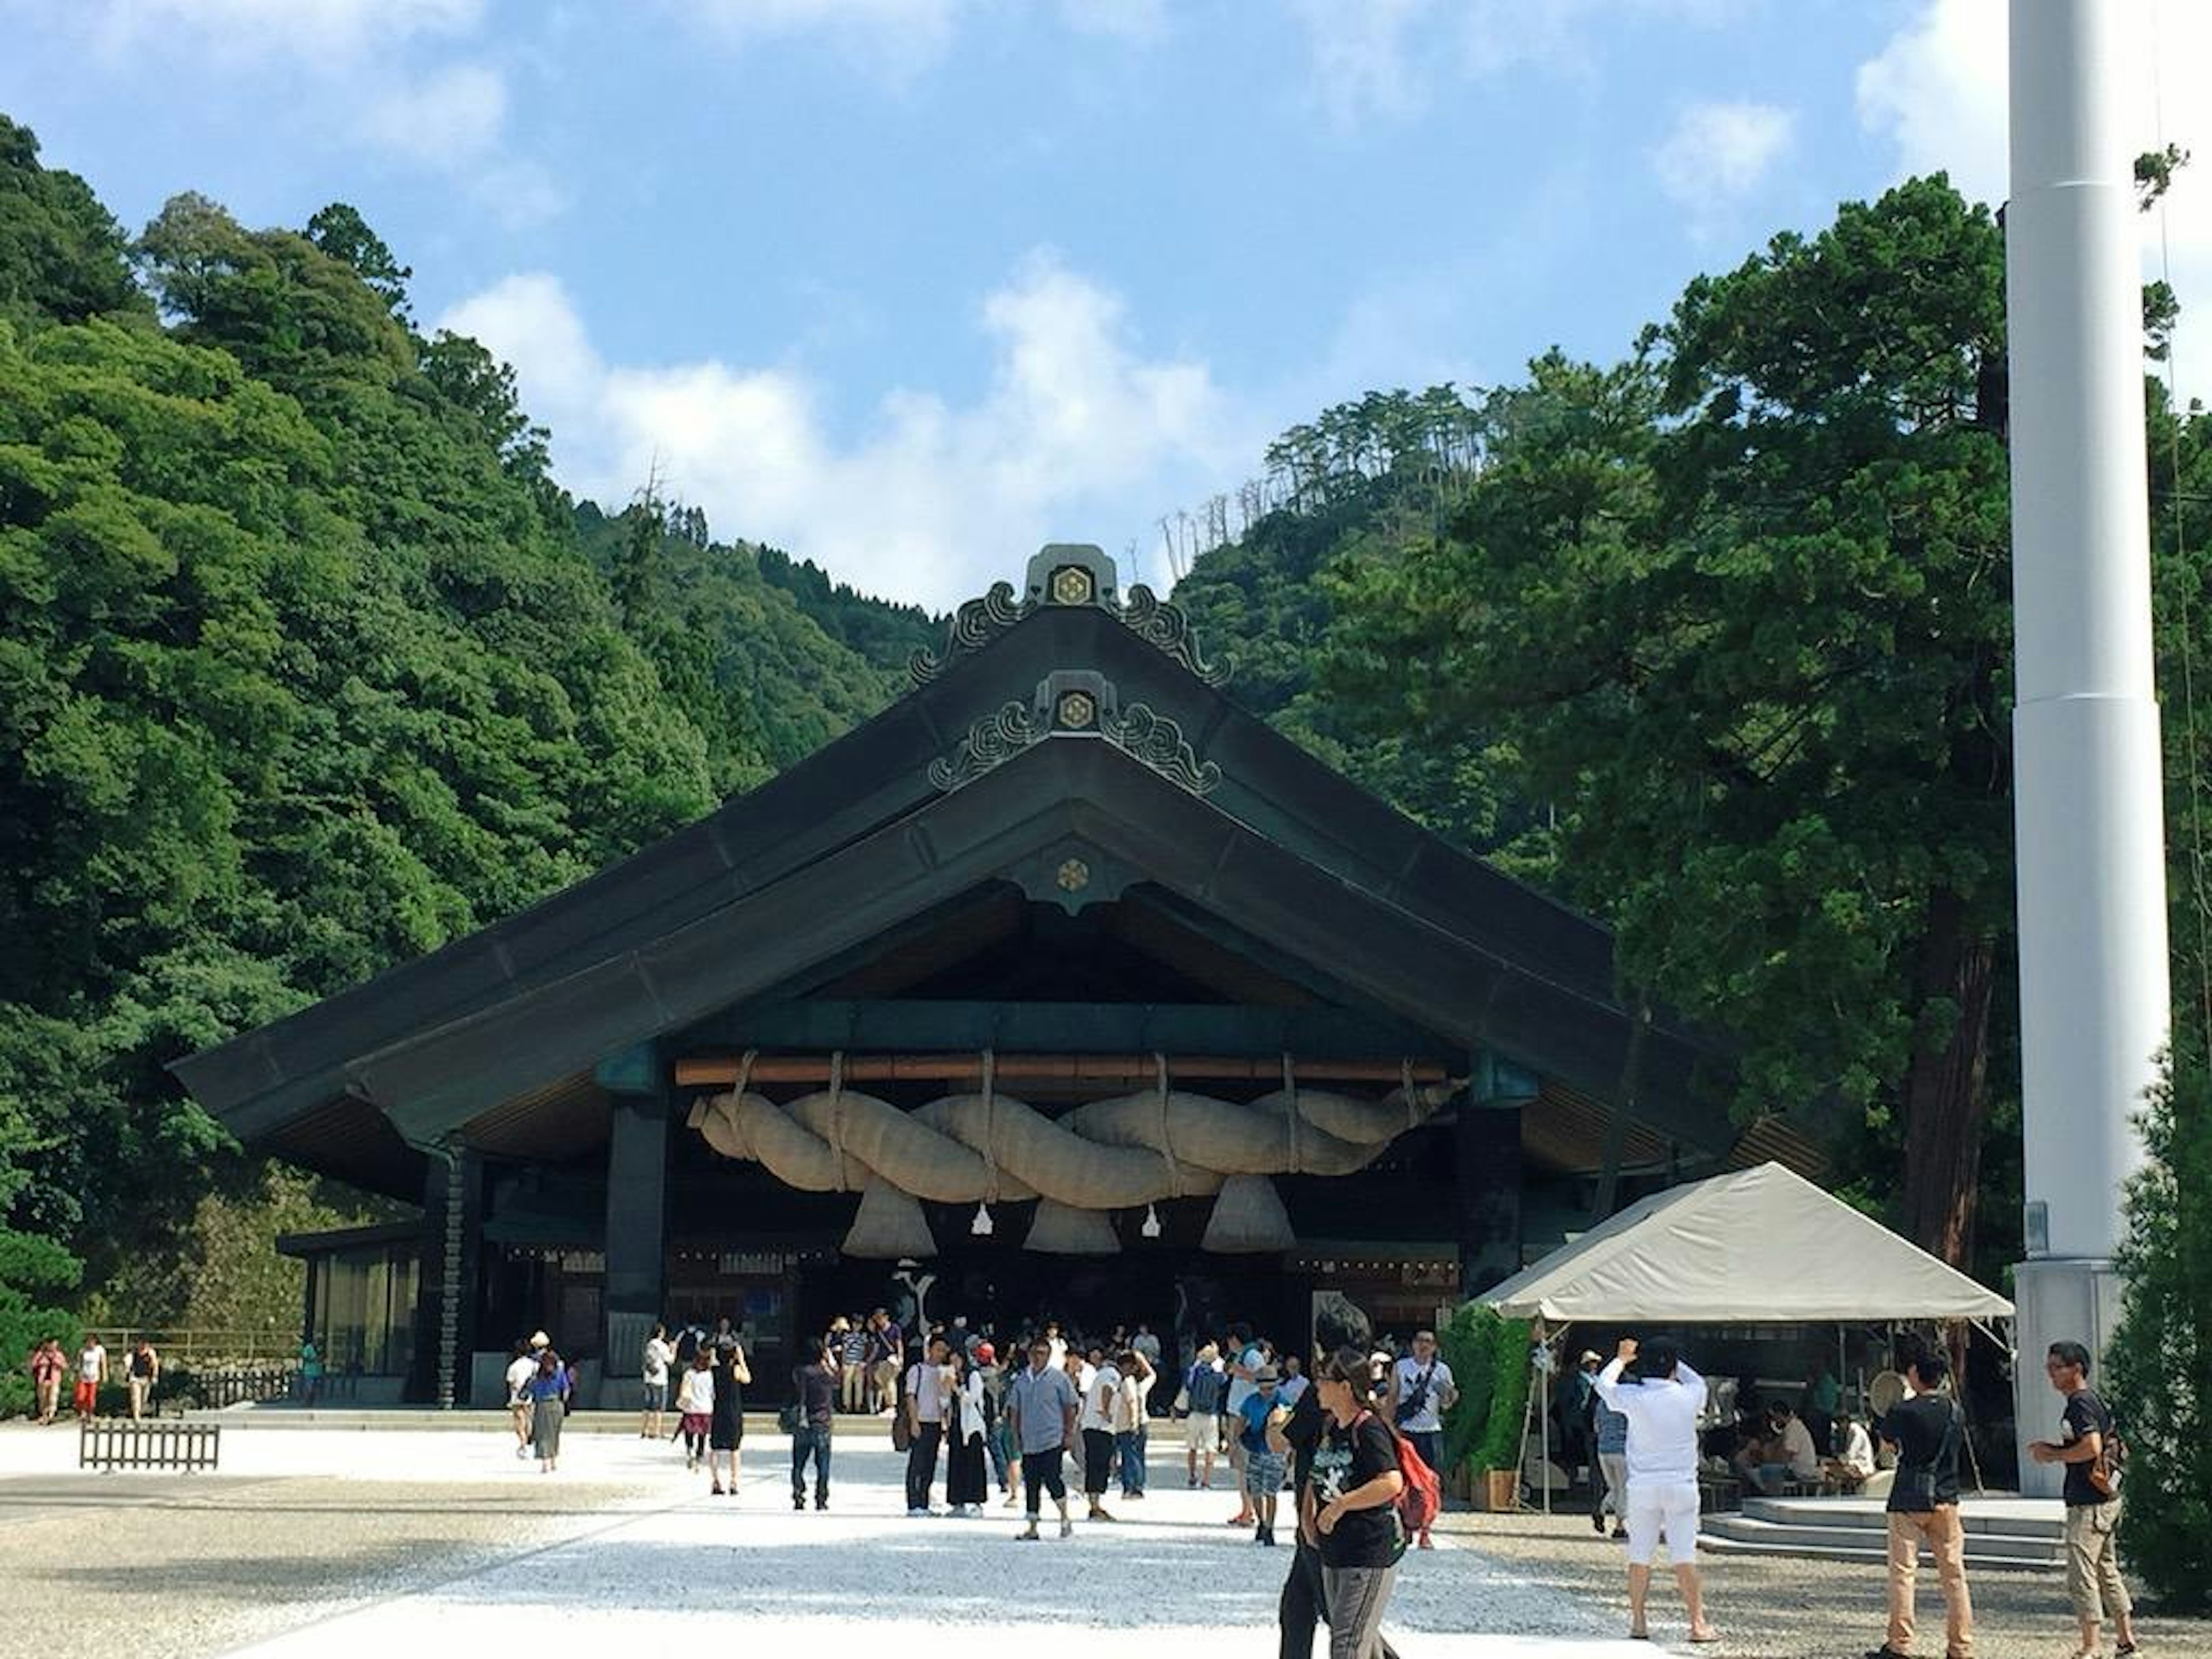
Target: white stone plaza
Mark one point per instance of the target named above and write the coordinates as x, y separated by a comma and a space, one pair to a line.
649, 1557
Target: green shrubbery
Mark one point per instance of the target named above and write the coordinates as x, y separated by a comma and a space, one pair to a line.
2160, 1357
1489, 1358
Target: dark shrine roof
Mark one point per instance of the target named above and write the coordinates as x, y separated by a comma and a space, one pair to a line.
1048, 736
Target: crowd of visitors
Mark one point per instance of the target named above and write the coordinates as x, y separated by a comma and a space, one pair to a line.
1356, 1446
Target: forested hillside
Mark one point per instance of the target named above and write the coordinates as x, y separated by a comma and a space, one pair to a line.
306, 666
1713, 642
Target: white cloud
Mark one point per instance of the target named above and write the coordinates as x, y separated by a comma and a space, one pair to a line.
1140, 23
324, 31
519, 193
1937, 91
449, 118
1364, 61
348, 71
1718, 154
1566, 36
1381, 59
899, 38
1078, 436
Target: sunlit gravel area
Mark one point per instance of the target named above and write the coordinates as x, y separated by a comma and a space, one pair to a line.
330, 1541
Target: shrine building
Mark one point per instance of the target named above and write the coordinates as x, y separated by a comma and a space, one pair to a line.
1063, 987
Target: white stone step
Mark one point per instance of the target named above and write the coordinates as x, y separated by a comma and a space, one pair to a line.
1749, 1534
1989, 1516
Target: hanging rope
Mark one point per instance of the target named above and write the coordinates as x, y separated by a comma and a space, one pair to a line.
1167, 1142
837, 1114
1291, 1093
1405, 1084
744, 1072
990, 1148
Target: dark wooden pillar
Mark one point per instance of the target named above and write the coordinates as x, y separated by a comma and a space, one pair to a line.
637, 1212
446, 1299
1487, 1157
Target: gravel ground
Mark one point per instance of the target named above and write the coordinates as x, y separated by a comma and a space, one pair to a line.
341, 1542
1771, 1608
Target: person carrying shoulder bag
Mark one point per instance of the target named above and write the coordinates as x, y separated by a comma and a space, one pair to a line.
1928, 1431
2090, 1452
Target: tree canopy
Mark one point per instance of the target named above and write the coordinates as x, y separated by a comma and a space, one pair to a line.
306, 667
1718, 637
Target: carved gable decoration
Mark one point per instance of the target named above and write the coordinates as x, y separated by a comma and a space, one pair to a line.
1069, 573
1076, 703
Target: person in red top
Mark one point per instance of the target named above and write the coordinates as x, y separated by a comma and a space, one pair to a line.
48, 1362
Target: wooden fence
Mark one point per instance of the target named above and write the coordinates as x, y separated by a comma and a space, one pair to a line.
158, 1443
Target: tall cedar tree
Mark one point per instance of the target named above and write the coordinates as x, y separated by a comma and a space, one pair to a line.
1739, 608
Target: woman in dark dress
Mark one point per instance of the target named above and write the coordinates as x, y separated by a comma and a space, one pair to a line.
728, 1432
967, 1482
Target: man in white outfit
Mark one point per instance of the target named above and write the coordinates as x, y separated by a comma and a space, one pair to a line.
1663, 1409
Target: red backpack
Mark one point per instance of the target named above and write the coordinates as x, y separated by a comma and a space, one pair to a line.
1421, 1499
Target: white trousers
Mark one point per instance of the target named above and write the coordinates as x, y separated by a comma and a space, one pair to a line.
1668, 1511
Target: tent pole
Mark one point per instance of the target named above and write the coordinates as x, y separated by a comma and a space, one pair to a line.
1843, 1370
1528, 1407
1544, 1426
1980, 1489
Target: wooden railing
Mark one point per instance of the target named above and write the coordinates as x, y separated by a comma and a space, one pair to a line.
159, 1443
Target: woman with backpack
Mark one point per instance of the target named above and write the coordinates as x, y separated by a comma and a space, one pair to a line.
694, 1406
1349, 1508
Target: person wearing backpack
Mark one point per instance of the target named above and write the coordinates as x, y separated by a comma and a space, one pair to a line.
1301, 1607
1927, 1430
1348, 1509
2091, 1450
1200, 1403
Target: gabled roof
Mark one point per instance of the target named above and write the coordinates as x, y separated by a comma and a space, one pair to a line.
970, 779
1760, 1246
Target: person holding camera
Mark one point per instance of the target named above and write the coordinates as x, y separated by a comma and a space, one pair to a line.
1927, 1428
1422, 1389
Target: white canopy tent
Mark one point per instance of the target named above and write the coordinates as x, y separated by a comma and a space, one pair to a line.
1761, 1246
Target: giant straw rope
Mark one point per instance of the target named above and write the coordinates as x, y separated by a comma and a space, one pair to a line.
1111, 1154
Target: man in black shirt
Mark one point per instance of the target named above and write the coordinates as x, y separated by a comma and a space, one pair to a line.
1301, 1607
2093, 1515
815, 1389
1923, 1505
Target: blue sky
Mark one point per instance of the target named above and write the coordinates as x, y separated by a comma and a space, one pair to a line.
911, 286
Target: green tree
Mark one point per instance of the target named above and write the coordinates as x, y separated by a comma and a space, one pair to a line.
306, 667
1739, 607
2162, 1352
61, 252
340, 231
302, 673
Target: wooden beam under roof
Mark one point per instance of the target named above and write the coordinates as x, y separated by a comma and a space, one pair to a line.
721, 1071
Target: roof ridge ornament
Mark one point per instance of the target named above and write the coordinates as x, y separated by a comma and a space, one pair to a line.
1070, 573
1076, 703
